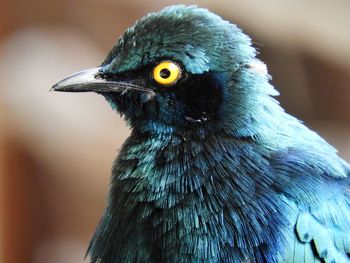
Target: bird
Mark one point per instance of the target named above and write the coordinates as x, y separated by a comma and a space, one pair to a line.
214, 169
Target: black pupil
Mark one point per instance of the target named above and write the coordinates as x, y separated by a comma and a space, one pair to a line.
165, 73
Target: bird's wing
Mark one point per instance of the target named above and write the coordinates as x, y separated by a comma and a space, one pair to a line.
321, 235
317, 188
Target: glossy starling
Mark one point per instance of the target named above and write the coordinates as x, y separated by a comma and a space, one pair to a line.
214, 169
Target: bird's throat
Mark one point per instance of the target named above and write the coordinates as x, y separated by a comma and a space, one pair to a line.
168, 191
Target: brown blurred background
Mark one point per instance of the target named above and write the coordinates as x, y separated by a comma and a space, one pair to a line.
56, 149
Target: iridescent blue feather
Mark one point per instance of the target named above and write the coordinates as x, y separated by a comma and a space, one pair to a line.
214, 169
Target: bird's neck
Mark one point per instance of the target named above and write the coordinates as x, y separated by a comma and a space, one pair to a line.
164, 160
196, 131
167, 183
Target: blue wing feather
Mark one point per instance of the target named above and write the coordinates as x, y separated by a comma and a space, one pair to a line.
322, 230
320, 221
310, 231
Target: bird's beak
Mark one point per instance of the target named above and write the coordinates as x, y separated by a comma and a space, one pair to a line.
89, 80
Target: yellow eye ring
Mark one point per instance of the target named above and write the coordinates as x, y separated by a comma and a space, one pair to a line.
166, 73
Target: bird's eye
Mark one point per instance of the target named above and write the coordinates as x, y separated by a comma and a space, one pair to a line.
166, 73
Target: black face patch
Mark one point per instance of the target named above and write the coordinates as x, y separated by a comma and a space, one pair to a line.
201, 96
194, 100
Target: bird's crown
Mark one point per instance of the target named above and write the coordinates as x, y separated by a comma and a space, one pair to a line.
199, 39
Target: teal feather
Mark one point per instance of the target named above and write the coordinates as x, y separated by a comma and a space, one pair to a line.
214, 169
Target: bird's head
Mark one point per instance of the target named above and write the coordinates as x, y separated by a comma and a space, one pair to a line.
183, 68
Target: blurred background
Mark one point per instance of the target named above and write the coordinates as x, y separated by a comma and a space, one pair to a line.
56, 149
